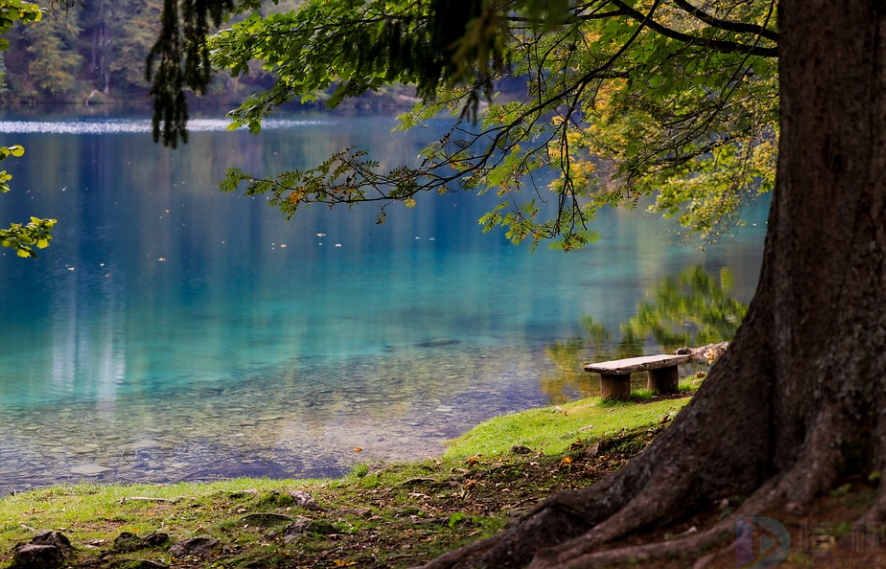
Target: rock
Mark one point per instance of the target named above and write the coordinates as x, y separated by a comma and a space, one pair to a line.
47, 550
265, 519
127, 541
137, 564
35, 556
195, 547
155, 539
520, 449
56, 538
130, 542
304, 525
358, 512
305, 500
293, 530
417, 482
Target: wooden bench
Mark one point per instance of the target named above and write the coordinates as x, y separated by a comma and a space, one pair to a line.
661, 374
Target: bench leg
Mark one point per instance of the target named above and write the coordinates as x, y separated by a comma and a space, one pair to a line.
663, 380
615, 386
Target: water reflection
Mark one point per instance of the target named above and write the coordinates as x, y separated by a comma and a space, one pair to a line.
695, 308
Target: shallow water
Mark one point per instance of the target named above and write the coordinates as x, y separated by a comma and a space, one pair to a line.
172, 332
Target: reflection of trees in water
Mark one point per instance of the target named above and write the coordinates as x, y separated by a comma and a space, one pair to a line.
692, 309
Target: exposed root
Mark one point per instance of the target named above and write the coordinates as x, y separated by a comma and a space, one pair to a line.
647, 552
456, 558
686, 547
656, 502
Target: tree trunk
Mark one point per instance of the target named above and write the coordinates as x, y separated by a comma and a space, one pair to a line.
797, 402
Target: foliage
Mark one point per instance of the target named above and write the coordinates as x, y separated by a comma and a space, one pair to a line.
53, 63
20, 237
101, 45
622, 98
138, 28
178, 59
114, 37
12, 11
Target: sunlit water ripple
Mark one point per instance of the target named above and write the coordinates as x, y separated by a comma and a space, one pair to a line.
124, 126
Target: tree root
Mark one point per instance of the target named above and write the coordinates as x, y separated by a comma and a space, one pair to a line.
646, 552
579, 553
655, 502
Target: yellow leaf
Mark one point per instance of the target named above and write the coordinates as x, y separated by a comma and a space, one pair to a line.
409, 202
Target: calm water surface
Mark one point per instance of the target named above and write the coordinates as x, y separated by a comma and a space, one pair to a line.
172, 332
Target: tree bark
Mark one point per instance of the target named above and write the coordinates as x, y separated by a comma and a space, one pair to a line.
797, 402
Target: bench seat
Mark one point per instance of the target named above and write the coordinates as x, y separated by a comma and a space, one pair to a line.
661, 373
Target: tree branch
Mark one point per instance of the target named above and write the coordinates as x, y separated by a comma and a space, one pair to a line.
726, 25
716, 45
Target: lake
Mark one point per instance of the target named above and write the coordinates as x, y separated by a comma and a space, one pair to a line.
172, 332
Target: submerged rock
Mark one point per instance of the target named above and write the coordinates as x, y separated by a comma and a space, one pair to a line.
437, 343
89, 470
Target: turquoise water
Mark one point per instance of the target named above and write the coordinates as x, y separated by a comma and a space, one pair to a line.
172, 332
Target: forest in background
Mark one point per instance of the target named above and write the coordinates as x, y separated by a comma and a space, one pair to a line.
95, 54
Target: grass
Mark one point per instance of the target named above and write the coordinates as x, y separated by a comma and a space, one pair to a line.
380, 515
552, 430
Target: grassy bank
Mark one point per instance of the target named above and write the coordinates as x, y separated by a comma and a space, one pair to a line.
381, 515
